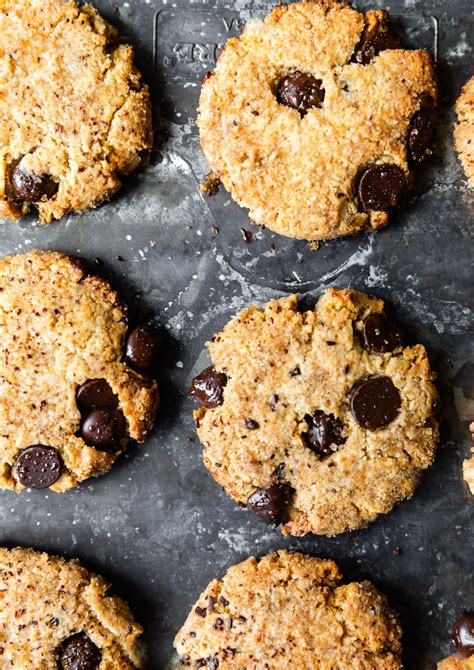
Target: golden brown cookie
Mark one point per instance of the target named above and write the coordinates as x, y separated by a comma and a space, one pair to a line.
55, 615
74, 112
74, 388
314, 118
289, 611
468, 466
464, 130
322, 419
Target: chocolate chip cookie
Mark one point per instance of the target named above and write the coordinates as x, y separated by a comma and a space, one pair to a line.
289, 611
463, 642
315, 118
74, 113
56, 615
468, 466
319, 420
74, 382
464, 130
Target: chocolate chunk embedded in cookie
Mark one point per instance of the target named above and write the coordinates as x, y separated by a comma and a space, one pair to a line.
342, 413
288, 610
74, 113
69, 402
315, 117
55, 614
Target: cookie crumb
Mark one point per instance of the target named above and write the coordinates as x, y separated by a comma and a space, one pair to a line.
210, 184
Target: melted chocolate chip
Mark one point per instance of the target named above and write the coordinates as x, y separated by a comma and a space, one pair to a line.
251, 424
142, 346
79, 653
270, 502
95, 394
421, 133
208, 387
463, 634
380, 334
375, 402
38, 466
102, 429
373, 45
323, 431
381, 187
29, 187
300, 91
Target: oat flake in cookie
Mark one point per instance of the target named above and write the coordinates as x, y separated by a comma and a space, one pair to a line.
74, 113
315, 119
288, 610
71, 396
464, 130
55, 615
324, 419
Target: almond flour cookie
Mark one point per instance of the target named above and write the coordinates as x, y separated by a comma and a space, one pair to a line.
463, 641
464, 130
320, 420
314, 118
74, 112
289, 611
74, 387
57, 616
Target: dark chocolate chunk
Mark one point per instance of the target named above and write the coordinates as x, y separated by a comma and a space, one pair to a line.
295, 372
95, 394
270, 502
29, 187
79, 653
38, 466
380, 334
323, 431
381, 187
301, 91
201, 611
102, 429
463, 634
375, 402
373, 45
208, 387
142, 346
421, 133
251, 424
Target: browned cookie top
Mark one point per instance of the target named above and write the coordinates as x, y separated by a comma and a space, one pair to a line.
74, 388
57, 616
289, 610
464, 129
315, 118
74, 112
321, 420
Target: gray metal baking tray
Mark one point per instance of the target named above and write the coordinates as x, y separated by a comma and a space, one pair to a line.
157, 525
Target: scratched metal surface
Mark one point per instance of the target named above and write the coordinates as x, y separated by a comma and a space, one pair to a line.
157, 525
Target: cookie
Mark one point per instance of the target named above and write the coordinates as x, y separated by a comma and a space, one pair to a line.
57, 616
464, 130
463, 641
321, 420
468, 466
314, 119
74, 113
288, 610
73, 391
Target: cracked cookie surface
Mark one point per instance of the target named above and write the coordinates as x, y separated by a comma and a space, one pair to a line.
55, 615
321, 420
288, 610
69, 400
464, 130
74, 112
303, 135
